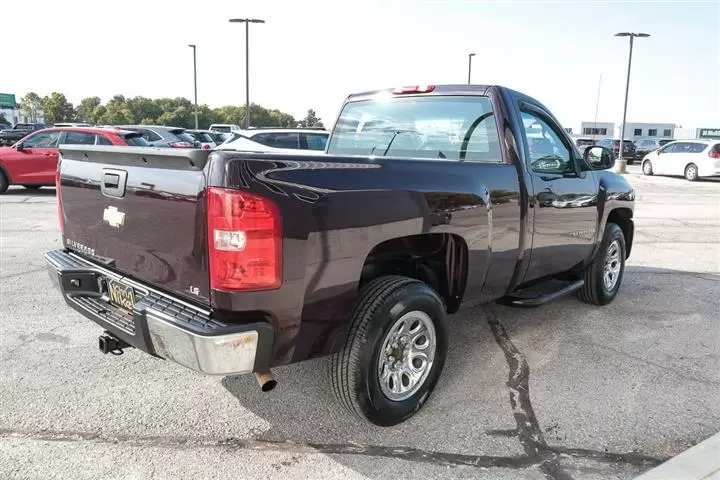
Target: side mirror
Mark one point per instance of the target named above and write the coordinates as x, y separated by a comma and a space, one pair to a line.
19, 147
599, 158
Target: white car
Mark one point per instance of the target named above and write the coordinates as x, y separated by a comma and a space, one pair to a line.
244, 144
225, 128
290, 138
691, 159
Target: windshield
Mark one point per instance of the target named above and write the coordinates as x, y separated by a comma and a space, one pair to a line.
449, 127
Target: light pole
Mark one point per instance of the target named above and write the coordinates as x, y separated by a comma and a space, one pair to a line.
622, 163
195, 84
470, 55
247, 22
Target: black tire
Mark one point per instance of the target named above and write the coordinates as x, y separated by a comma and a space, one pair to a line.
647, 167
595, 290
354, 370
32, 187
691, 173
4, 184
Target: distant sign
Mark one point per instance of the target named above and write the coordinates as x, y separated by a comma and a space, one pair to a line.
7, 100
708, 133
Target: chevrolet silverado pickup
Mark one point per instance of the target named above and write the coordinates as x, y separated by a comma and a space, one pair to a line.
233, 262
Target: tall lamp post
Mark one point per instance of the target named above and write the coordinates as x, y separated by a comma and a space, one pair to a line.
621, 162
247, 22
195, 84
470, 55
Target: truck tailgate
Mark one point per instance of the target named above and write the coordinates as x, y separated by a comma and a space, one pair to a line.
140, 211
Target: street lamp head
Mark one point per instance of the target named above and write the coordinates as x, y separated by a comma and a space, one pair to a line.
246, 20
632, 34
471, 54
191, 46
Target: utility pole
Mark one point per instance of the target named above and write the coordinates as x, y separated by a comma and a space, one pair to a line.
621, 166
247, 22
597, 105
195, 84
470, 55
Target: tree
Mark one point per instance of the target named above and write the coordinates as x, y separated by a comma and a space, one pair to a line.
84, 110
57, 109
144, 110
117, 112
311, 120
31, 106
3, 120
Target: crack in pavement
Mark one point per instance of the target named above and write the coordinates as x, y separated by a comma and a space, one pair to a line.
528, 431
402, 453
298, 447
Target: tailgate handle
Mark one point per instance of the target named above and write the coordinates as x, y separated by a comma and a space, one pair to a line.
113, 182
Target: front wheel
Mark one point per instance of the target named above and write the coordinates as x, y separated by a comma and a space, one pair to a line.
604, 275
647, 167
394, 353
691, 172
4, 184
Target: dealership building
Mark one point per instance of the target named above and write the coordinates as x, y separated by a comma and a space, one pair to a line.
635, 131
12, 114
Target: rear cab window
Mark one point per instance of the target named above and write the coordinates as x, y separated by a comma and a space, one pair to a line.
460, 128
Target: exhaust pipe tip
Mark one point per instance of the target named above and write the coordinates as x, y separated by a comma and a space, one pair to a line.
266, 380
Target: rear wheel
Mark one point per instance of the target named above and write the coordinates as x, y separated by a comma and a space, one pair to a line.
4, 184
394, 353
647, 167
691, 172
604, 275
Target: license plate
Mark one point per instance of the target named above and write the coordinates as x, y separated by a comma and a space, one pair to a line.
121, 295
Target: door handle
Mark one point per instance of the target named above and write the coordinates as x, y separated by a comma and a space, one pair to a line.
546, 198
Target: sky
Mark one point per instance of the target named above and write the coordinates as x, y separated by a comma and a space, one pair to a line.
313, 53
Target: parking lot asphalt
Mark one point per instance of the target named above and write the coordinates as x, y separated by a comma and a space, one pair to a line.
563, 391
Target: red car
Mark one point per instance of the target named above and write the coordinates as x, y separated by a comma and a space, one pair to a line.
32, 162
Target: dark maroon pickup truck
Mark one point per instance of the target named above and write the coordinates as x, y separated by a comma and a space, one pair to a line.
232, 262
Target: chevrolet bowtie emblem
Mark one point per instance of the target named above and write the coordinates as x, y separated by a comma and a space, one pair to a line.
114, 217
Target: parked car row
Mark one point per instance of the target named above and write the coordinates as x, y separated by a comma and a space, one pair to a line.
631, 150
31, 161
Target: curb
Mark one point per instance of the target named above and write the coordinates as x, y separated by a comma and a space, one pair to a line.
701, 462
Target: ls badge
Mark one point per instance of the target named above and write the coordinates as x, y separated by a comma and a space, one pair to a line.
114, 217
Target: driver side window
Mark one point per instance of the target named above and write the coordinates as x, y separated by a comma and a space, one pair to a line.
548, 153
42, 140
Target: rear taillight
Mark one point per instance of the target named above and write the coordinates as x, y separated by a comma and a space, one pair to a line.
713, 154
181, 145
245, 241
59, 200
206, 146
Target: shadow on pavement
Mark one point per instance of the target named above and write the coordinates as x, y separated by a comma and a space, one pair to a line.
481, 414
30, 192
